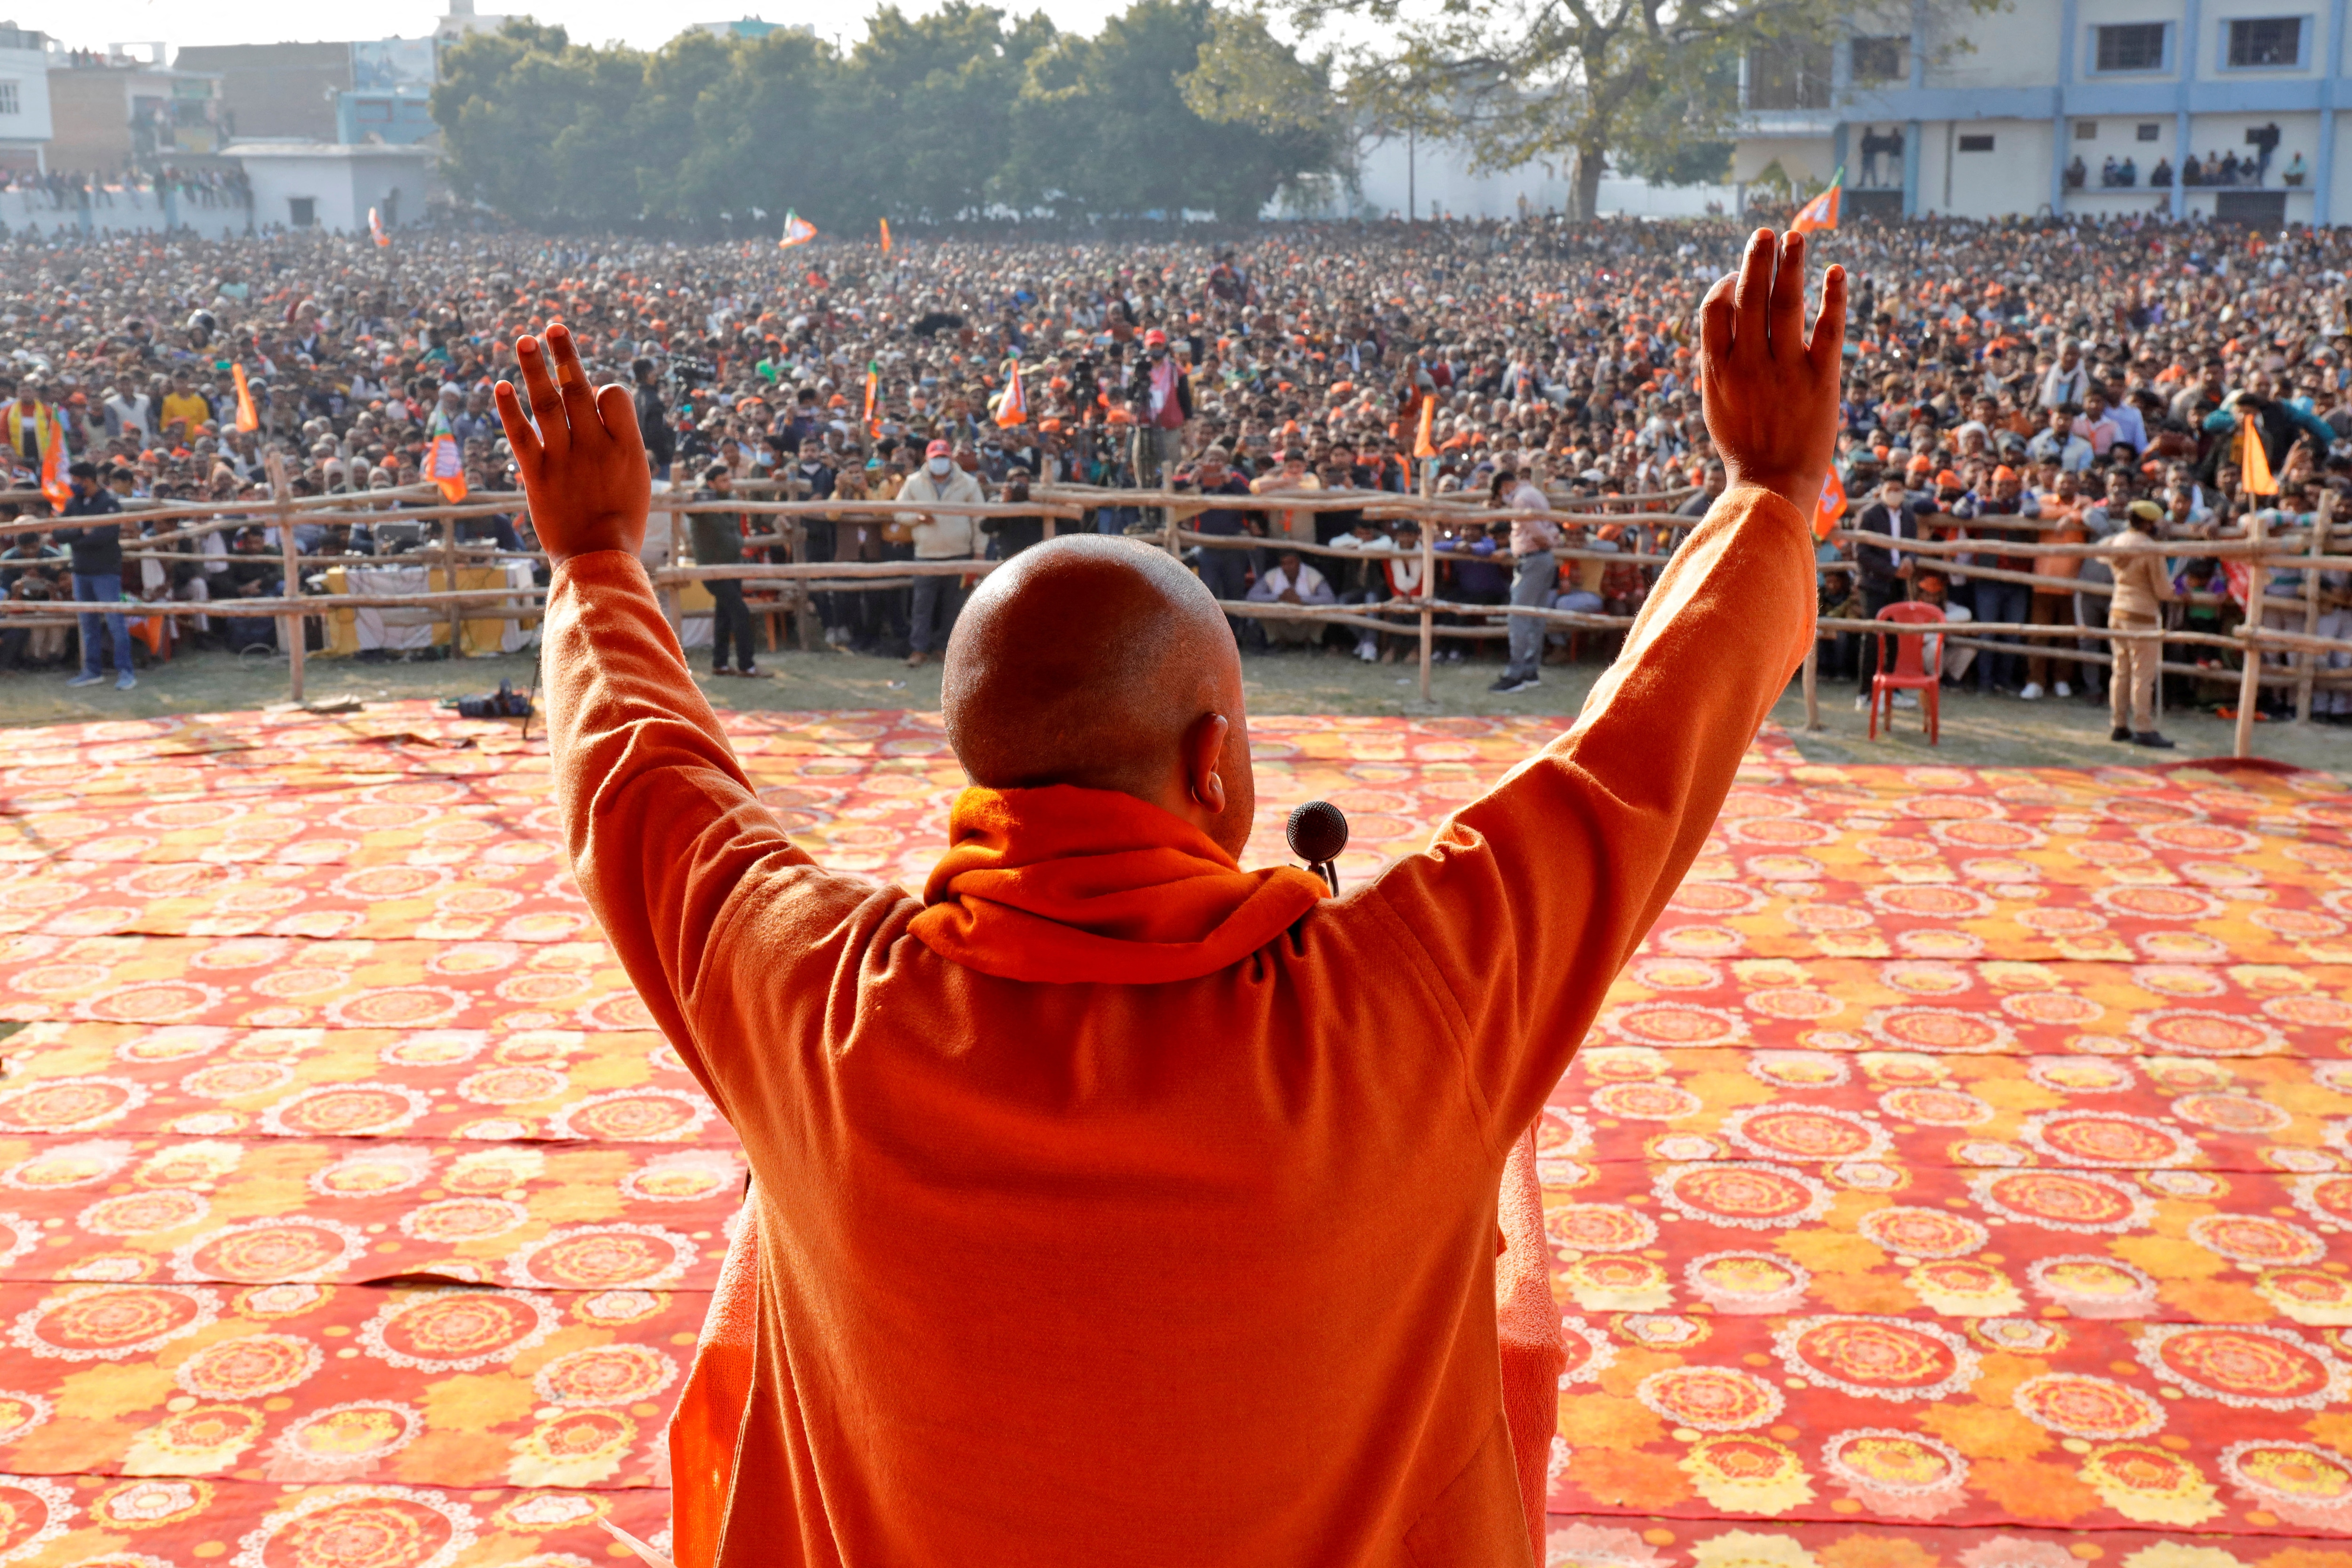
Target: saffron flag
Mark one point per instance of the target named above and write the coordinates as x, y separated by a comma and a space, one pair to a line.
445, 461
55, 482
1830, 510
2253, 461
1013, 408
248, 417
873, 391
798, 230
375, 227
1822, 212
886, 236
1422, 448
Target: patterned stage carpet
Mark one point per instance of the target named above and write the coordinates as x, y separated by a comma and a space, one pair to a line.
1960, 1175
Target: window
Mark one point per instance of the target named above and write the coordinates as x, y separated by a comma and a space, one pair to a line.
2150, 131
1881, 60
2129, 46
2087, 130
374, 111
8, 101
303, 211
1976, 143
1788, 73
2258, 43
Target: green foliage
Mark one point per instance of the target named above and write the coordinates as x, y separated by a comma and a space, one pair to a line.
934, 117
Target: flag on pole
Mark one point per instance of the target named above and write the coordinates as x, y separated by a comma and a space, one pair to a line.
1822, 212
873, 392
375, 227
55, 483
1830, 510
798, 230
886, 236
445, 460
1013, 408
248, 417
1422, 448
2254, 461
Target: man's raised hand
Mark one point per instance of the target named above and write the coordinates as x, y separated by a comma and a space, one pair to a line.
585, 466
1772, 395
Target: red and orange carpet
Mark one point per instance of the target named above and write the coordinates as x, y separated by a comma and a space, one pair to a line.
1961, 1174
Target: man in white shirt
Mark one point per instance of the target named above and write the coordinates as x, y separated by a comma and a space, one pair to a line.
938, 536
1290, 581
129, 410
2066, 381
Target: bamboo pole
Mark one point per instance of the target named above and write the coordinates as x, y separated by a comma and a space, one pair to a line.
449, 576
1812, 687
2250, 681
2307, 662
292, 630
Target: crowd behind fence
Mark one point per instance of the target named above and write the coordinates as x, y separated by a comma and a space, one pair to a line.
1422, 617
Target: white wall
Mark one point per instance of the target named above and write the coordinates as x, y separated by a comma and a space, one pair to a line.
28, 68
1440, 181
341, 187
2015, 47
127, 213
2014, 177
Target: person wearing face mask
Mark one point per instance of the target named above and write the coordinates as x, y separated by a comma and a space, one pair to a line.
938, 536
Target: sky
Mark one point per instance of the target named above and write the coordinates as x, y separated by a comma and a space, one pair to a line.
93, 24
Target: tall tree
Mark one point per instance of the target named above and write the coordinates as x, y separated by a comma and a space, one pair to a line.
538, 126
943, 85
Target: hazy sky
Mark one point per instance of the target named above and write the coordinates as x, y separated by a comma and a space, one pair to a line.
91, 24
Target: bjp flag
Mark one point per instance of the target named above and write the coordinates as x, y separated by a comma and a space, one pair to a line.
1830, 510
1013, 408
375, 227
445, 460
886, 236
55, 483
1422, 444
1822, 212
2253, 460
248, 417
798, 230
872, 394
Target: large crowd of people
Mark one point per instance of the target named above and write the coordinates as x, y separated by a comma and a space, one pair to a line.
2080, 379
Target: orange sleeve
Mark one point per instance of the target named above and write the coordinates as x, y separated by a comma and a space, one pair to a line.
1532, 898
669, 842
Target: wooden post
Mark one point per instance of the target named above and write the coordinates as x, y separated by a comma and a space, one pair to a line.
449, 572
290, 628
2307, 659
1812, 687
1428, 592
804, 602
2250, 680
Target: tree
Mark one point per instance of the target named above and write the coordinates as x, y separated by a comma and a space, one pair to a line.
943, 86
1517, 80
538, 126
1106, 125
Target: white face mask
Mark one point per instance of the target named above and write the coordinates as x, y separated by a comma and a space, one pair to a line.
940, 466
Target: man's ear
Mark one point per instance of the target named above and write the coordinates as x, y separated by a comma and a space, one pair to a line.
1203, 746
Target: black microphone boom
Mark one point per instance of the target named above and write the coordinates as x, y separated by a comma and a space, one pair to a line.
1317, 833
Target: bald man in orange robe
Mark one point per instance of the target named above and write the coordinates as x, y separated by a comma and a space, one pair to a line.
1113, 1203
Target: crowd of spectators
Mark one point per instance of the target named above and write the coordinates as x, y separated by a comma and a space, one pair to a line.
2048, 376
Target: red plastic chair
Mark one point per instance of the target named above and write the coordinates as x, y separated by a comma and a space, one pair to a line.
1908, 669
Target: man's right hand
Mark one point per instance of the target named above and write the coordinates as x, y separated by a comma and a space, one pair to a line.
584, 468
1770, 396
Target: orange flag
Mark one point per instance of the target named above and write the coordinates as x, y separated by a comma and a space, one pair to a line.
1421, 442
886, 236
1830, 510
1822, 212
248, 417
2254, 461
55, 483
1013, 408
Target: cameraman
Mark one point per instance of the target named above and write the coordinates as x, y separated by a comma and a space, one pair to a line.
653, 419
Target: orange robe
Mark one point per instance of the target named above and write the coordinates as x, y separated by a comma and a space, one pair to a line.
1112, 1204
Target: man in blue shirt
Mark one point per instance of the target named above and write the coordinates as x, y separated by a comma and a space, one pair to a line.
97, 576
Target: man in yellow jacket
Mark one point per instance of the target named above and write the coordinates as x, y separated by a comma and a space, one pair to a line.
1114, 1204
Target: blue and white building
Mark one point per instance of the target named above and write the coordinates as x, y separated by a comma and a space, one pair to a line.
2068, 106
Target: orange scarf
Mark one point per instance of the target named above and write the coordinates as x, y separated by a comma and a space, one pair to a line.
1071, 885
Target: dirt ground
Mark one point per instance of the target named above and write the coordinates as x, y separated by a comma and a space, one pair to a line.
1978, 732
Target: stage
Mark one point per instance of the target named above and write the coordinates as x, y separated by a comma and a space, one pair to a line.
1960, 1173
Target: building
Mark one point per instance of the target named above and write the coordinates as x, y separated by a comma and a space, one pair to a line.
331, 185
111, 110
25, 127
275, 91
462, 21
2075, 107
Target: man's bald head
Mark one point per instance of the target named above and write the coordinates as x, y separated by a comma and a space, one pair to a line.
1101, 662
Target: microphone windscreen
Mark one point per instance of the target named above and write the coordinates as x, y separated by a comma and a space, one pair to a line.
1317, 832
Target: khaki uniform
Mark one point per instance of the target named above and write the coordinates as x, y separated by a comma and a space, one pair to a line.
2142, 590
